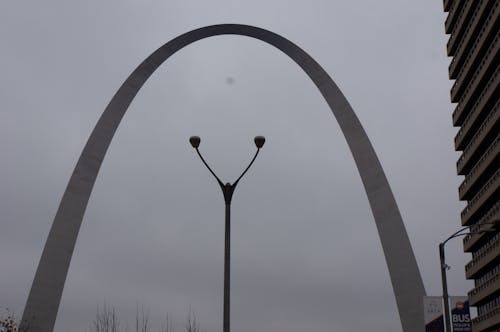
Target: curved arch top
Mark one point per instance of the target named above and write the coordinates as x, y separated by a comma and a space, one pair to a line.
46, 291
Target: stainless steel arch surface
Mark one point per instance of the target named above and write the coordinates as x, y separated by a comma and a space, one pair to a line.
45, 294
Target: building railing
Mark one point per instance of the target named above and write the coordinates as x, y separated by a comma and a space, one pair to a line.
451, 15
488, 26
489, 89
483, 224
479, 259
477, 139
469, 120
474, 204
474, 172
474, 295
488, 59
458, 113
491, 314
459, 24
446, 5
475, 142
487, 247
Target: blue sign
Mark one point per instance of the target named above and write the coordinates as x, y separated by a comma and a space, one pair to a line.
460, 314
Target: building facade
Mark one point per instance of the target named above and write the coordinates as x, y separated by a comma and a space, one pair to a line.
473, 27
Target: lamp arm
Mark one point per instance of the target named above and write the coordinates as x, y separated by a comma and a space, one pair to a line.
205, 163
248, 167
456, 234
459, 232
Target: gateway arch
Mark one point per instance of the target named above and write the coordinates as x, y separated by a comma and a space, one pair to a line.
46, 291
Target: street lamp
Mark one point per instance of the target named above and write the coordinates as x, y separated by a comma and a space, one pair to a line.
444, 267
227, 191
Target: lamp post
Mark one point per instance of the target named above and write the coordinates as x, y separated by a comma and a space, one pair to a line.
444, 267
227, 192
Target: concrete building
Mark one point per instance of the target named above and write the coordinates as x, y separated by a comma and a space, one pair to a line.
473, 46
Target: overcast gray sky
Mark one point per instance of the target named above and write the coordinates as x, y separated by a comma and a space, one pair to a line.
305, 252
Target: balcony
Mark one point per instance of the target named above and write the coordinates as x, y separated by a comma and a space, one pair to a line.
492, 216
476, 145
481, 293
469, 123
453, 13
488, 320
446, 5
480, 170
485, 68
487, 192
485, 256
460, 24
464, 107
487, 31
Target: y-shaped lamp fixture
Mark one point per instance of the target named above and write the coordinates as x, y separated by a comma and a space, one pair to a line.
227, 191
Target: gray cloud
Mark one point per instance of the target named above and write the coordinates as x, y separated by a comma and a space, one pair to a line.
306, 255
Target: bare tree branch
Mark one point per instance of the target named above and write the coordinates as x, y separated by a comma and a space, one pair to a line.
106, 320
191, 323
167, 325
